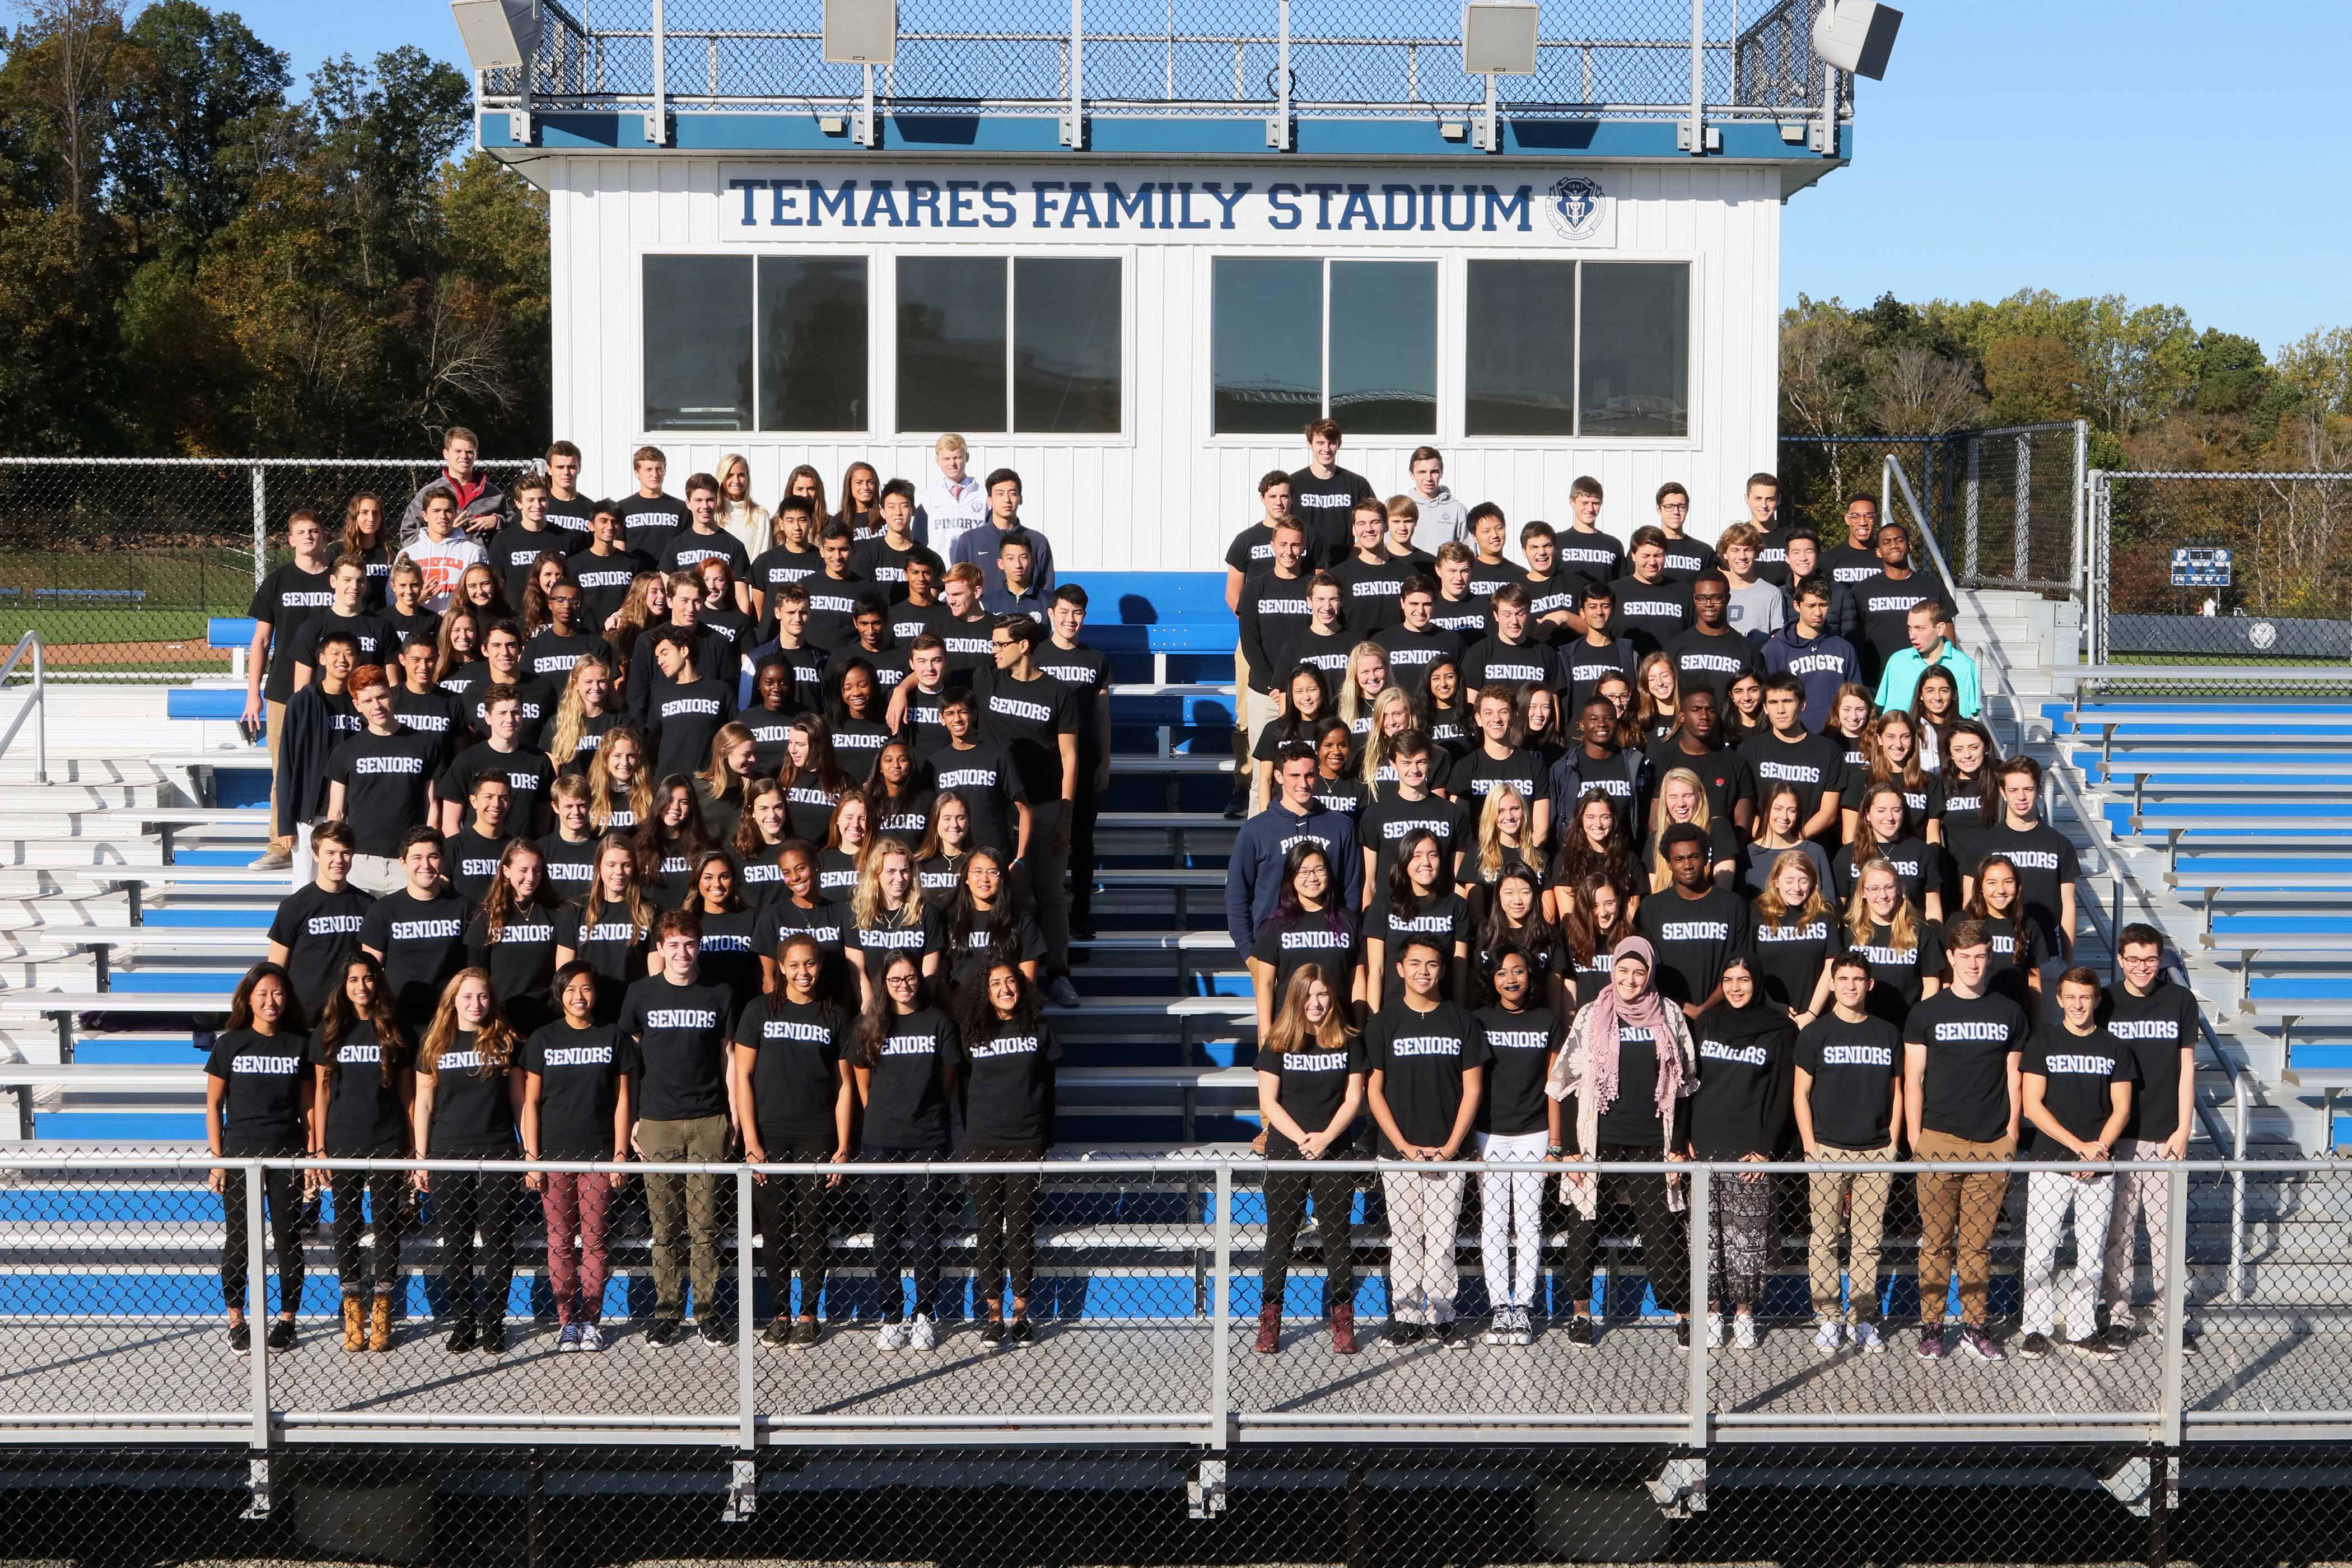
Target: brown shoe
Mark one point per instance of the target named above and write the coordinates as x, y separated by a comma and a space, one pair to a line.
1269, 1328
354, 1329
380, 1324
1343, 1330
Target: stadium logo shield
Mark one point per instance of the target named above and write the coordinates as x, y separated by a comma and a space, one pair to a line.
1577, 206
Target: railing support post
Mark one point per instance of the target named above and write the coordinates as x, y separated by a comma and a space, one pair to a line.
746, 1395
1277, 130
256, 1322
2238, 1188
2175, 1306
1696, 133
1073, 117
658, 115
260, 526
1700, 1181
1221, 1297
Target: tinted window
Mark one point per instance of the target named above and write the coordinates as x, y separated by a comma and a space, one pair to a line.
813, 371
1266, 345
1383, 335
1633, 378
1065, 345
951, 343
697, 343
1519, 349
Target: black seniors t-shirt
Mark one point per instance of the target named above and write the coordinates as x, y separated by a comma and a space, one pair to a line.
473, 1112
989, 785
470, 860
683, 716
1328, 940
1713, 659
796, 1071
906, 1087
520, 958
1008, 1086
422, 942
288, 599
319, 930
2045, 861
1852, 1067
1898, 974
1968, 1041
1027, 719
605, 583
2156, 1029
374, 640
877, 943
1015, 940
580, 1073
729, 955
1310, 1082
514, 550
1445, 920
384, 779
549, 658
262, 1110
1722, 772
365, 1116
1410, 653
1521, 1044
1478, 775
1789, 957
1917, 867
1649, 614
1630, 1121
681, 1035
1693, 937
1390, 819
2079, 1073
1743, 1066
827, 925
570, 866
1594, 557
614, 947
528, 774
1813, 766
1421, 1058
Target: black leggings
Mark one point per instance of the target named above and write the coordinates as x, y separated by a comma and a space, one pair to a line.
464, 1201
1286, 1209
906, 1213
1665, 1245
790, 1211
386, 1194
1006, 1208
282, 1202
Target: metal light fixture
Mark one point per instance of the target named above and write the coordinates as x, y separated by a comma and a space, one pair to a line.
861, 32
495, 32
1498, 38
1856, 37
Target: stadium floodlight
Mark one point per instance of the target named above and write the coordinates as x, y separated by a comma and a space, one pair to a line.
1857, 36
495, 32
861, 32
1498, 38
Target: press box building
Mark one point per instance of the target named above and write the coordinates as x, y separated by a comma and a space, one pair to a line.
1131, 248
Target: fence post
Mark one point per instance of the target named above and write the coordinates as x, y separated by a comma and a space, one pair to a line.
261, 525
1221, 1291
1277, 131
257, 1307
2080, 489
2103, 509
746, 1398
1976, 472
1698, 79
2020, 549
2175, 1303
657, 117
1073, 117
1700, 1180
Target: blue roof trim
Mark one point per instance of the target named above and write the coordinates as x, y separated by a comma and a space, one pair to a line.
1037, 136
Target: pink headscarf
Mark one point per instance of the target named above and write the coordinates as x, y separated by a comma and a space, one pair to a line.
1646, 1011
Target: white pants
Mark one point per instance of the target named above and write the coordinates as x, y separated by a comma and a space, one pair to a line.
2049, 1197
2139, 1194
1424, 1214
378, 874
1511, 1210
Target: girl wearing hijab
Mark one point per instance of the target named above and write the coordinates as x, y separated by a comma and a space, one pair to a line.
1629, 1064
1740, 1113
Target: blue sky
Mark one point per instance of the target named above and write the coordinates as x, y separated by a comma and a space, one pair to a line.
2164, 150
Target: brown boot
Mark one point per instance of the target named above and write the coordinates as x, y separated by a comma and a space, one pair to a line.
1269, 1328
380, 1324
354, 1330
1343, 1330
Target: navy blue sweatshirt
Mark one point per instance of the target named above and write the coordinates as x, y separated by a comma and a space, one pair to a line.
1254, 873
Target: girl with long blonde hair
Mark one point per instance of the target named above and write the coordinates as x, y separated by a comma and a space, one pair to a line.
583, 714
620, 792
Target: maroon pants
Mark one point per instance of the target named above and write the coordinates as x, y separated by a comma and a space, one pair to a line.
574, 1201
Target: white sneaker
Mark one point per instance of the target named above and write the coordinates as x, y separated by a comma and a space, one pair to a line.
592, 1337
1867, 1338
1831, 1334
1715, 1331
893, 1337
921, 1335
272, 861
1743, 1331
1523, 1326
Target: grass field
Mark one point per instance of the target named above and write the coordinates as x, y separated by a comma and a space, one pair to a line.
162, 632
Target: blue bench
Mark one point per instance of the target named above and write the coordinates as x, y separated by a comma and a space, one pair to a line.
204, 702
229, 631
132, 597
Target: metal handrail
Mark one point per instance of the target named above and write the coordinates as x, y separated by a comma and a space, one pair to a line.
36, 702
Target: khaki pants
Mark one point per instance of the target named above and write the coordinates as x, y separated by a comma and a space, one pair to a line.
2139, 1194
274, 719
1856, 1202
1259, 712
378, 874
685, 1211
1956, 1212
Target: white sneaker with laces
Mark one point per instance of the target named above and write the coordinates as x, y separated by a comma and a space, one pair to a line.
1715, 1331
1867, 1338
921, 1335
1827, 1338
1743, 1331
1523, 1326
893, 1337
592, 1337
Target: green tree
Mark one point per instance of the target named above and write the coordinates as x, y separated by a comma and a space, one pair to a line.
2032, 378
190, 136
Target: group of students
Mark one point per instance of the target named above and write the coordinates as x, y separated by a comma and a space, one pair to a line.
692, 855
1661, 865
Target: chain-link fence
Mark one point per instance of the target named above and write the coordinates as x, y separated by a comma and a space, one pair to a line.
1393, 58
2222, 568
120, 563
1069, 1361
2007, 505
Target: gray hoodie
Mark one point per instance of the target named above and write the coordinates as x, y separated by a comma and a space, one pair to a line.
1441, 520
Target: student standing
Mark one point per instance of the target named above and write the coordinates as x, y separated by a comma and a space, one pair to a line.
1311, 1087
1309, 928
792, 1095
983, 547
364, 1103
1962, 1049
1035, 720
908, 1081
444, 548
1620, 773
1692, 925
373, 639
1651, 608
259, 1095
1428, 1060
651, 515
1371, 578
286, 601
679, 1024
1272, 608
417, 932
1849, 1088
1790, 752
1740, 1115
2045, 860
1254, 870
2155, 1019
1495, 763
1711, 653
1007, 1068
1323, 494
576, 1076
1924, 628
1629, 1063
889, 915
1419, 903
953, 502
1085, 674
317, 927
1583, 549
1518, 1124
381, 782
511, 937
467, 1098
1887, 595
1822, 662
2078, 1081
